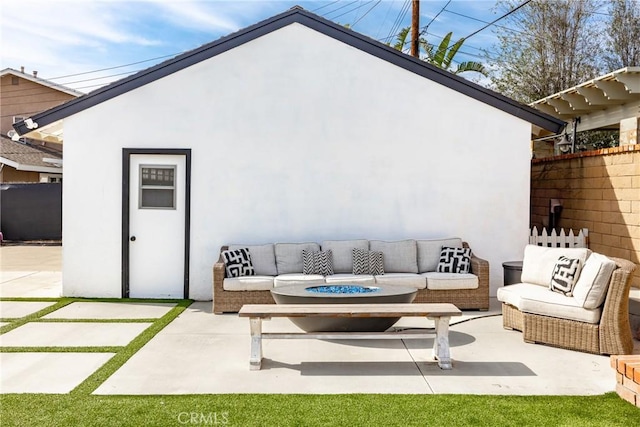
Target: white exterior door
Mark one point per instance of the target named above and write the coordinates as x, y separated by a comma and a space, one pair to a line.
157, 214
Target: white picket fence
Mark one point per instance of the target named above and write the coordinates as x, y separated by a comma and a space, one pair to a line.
562, 240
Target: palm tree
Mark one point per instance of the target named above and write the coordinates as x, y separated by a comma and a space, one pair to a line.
442, 56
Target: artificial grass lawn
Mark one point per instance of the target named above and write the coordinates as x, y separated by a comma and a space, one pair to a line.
81, 408
316, 410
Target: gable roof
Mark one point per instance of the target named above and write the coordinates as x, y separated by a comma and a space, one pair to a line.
315, 22
43, 82
26, 157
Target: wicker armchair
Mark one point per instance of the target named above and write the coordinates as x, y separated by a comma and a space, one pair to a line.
611, 336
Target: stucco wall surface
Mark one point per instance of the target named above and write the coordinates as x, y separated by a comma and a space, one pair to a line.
298, 137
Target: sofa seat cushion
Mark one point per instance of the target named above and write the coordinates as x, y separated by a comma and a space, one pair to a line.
399, 256
535, 299
444, 281
429, 252
402, 279
248, 283
297, 279
343, 278
341, 249
539, 262
263, 258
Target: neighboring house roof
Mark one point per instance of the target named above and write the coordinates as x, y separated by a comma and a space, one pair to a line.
600, 103
315, 22
44, 82
26, 157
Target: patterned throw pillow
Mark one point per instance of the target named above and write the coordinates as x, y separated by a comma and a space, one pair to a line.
367, 262
454, 260
565, 275
376, 263
238, 263
317, 262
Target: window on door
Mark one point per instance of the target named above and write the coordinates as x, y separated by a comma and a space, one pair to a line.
157, 187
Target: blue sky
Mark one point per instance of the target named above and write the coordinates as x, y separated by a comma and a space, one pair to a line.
68, 37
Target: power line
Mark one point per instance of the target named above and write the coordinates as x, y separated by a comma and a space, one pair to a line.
356, 8
325, 5
497, 19
398, 20
424, 29
366, 13
340, 8
118, 66
386, 15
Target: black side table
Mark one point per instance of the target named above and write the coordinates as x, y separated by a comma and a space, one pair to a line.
512, 272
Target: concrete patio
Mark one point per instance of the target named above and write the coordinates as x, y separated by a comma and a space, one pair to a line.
204, 353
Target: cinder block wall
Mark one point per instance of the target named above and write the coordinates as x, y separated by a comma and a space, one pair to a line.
599, 190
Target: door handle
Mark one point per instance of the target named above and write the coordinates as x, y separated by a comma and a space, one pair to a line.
133, 238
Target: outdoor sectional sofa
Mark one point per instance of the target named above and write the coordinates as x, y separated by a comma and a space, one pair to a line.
590, 314
406, 263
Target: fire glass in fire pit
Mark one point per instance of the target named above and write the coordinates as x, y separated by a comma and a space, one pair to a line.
343, 294
342, 289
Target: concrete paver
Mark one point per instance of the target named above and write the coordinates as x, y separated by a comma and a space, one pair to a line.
29, 284
191, 355
47, 372
17, 309
204, 353
72, 334
111, 310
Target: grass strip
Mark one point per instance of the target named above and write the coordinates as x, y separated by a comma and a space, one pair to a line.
61, 320
317, 410
106, 370
104, 349
30, 299
33, 316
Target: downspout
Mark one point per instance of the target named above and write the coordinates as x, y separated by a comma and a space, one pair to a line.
574, 133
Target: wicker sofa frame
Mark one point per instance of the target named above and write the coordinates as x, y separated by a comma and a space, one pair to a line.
474, 299
611, 336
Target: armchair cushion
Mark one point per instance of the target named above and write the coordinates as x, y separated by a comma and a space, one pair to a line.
592, 285
539, 262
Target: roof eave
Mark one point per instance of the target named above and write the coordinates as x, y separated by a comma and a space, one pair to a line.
331, 29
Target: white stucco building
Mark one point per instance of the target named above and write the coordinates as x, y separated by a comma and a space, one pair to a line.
294, 129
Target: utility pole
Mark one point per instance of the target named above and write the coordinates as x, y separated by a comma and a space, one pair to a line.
415, 27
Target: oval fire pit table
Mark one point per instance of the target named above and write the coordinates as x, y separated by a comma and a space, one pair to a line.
343, 294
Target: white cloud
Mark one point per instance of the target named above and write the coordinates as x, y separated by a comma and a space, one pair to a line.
196, 15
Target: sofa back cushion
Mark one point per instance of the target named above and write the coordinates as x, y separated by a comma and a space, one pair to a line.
539, 262
399, 256
289, 256
593, 283
429, 252
342, 253
263, 258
